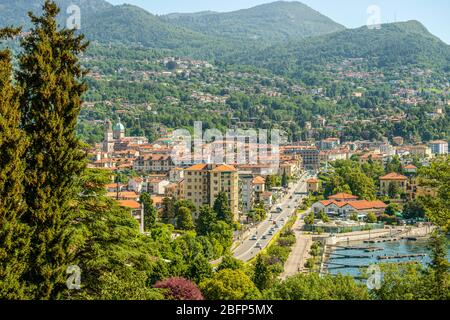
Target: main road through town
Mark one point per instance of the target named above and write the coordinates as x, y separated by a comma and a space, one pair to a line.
261, 235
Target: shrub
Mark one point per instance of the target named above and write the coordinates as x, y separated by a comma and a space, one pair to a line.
179, 289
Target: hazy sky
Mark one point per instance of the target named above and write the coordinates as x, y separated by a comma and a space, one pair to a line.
434, 14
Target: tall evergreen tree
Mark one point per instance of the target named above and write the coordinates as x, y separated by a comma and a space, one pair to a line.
261, 276
284, 180
14, 235
205, 221
168, 211
440, 266
222, 208
50, 75
150, 212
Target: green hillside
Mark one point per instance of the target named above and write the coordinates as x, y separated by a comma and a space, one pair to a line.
394, 45
278, 21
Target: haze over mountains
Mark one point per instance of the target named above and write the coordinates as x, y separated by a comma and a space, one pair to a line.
279, 35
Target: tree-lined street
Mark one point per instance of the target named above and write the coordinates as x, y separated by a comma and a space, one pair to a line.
260, 235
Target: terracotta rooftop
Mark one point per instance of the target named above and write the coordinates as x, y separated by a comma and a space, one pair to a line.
224, 168
394, 176
342, 196
364, 204
312, 180
358, 205
197, 167
131, 204
259, 180
125, 194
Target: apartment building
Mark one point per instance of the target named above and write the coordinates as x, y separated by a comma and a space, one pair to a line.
309, 155
203, 183
439, 147
154, 163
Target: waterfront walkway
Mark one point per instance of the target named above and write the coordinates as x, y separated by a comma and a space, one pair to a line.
300, 251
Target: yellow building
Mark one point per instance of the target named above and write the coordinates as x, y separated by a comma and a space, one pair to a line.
313, 185
393, 178
415, 190
203, 183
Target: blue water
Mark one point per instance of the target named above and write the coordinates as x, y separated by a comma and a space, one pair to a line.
389, 249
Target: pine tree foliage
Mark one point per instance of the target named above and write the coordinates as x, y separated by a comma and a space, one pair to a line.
51, 77
14, 235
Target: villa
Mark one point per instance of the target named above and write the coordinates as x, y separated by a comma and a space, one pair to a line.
344, 206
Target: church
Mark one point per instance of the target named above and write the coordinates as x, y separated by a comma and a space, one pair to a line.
115, 139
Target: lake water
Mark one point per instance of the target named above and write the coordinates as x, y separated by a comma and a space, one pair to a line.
389, 249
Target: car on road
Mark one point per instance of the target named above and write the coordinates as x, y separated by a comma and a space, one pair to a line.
264, 237
258, 245
279, 209
254, 238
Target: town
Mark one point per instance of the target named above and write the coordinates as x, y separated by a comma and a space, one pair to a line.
257, 192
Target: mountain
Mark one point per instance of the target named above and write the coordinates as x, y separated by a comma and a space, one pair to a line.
394, 45
14, 12
285, 37
277, 21
131, 24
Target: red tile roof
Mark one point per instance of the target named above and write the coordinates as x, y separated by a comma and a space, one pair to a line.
259, 180
197, 167
358, 205
364, 204
342, 196
131, 204
393, 176
224, 168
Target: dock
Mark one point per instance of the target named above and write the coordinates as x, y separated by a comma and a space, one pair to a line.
338, 248
348, 256
381, 240
402, 256
334, 265
374, 249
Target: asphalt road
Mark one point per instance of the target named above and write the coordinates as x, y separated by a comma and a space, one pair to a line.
252, 245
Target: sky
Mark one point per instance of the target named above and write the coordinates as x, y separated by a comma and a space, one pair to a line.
434, 14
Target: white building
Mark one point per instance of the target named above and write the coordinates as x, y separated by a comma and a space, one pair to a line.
439, 147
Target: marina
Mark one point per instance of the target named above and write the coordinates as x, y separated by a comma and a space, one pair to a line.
350, 259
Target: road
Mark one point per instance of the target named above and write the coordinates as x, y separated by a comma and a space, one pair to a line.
249, 248
300, 251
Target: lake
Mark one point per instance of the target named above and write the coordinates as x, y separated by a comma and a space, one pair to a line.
403, 247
